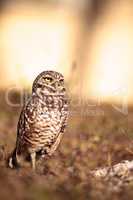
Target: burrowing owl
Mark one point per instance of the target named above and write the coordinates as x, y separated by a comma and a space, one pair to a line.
43, 119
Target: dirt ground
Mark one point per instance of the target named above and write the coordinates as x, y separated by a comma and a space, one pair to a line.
97, 136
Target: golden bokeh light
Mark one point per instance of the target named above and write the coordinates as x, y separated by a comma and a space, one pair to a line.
37, 41
111, 58
34, 39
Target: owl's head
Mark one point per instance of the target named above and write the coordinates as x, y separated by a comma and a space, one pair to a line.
49, 82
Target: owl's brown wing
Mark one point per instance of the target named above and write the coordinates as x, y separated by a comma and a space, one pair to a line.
27, 116
64, 119
64, 115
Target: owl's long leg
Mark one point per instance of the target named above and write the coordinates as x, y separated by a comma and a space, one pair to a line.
33, 160
56, 144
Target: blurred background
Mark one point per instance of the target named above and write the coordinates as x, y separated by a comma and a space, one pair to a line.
89, 41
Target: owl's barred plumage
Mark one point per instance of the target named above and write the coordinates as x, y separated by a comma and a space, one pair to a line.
43, 119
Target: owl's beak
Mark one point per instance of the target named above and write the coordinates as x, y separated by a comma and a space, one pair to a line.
58, 87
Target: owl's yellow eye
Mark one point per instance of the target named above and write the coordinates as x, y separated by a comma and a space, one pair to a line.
48, 79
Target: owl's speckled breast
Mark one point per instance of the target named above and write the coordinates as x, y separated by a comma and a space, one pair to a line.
47, 122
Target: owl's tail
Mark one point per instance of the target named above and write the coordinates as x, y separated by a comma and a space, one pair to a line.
12, 160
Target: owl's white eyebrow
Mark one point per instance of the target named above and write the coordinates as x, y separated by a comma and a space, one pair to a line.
47, 76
